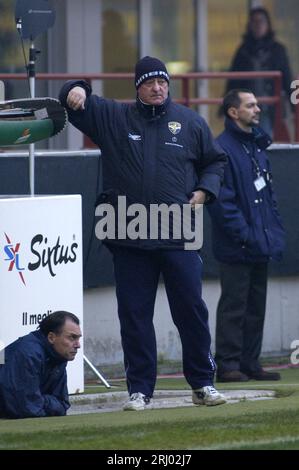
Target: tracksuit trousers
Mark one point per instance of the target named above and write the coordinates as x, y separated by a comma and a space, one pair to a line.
137, 274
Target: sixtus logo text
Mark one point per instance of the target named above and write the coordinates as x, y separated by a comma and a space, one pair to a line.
44, 255
51, 256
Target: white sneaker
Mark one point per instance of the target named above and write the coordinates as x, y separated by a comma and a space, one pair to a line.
207, 396
137, 402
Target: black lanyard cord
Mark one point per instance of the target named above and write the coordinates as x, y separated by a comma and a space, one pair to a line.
253, 159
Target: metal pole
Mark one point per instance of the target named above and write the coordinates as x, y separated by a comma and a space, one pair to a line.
185, 91
96, 371
2, 91
32, 57
31, 168
278, 133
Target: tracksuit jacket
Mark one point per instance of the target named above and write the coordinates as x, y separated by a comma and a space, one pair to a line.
246, 225
33, 381
150, 154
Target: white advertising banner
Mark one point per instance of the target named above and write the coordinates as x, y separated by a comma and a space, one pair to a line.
41, 267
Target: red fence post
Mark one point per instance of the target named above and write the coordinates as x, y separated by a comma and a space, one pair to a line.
279, 131
185, 91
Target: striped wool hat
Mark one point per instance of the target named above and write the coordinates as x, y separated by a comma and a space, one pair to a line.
149, 67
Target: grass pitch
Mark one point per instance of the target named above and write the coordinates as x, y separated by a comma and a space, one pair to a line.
262, 424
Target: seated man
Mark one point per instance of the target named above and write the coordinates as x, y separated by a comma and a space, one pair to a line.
33, 380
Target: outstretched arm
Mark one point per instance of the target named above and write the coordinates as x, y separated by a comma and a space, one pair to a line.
89, 113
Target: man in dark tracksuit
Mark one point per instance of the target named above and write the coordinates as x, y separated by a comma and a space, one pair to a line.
247, 232
154, 152
33, 380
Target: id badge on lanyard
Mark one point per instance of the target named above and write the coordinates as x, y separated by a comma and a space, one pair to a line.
259, 183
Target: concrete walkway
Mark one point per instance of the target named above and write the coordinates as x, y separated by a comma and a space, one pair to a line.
113, 401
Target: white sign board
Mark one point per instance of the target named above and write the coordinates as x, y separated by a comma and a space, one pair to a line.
41, 267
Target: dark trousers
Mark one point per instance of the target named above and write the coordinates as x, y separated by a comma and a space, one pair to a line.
240, 316
137, 275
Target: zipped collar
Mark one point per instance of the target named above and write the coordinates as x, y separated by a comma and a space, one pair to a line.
152, 112
257, 136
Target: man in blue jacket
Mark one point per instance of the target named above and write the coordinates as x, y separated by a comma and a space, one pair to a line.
247, 232
33, 380
154, 152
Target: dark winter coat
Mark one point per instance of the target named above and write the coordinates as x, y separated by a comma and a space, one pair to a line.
33, 381
261, 55
150, 154
246, 225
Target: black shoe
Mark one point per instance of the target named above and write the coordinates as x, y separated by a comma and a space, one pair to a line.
232, 376
263, 375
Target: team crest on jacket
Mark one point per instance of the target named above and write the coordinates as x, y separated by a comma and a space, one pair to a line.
174, 127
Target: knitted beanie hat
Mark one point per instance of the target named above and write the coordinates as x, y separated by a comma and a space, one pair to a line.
149, 67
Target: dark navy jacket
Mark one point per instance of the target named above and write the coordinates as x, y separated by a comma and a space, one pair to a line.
33, 380
150, 154
246, 225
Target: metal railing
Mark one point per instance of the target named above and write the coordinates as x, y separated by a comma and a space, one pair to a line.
279, 131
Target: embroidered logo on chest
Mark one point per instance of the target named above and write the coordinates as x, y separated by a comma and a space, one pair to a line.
174, 127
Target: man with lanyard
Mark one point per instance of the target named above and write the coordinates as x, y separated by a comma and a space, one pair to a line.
247, 232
